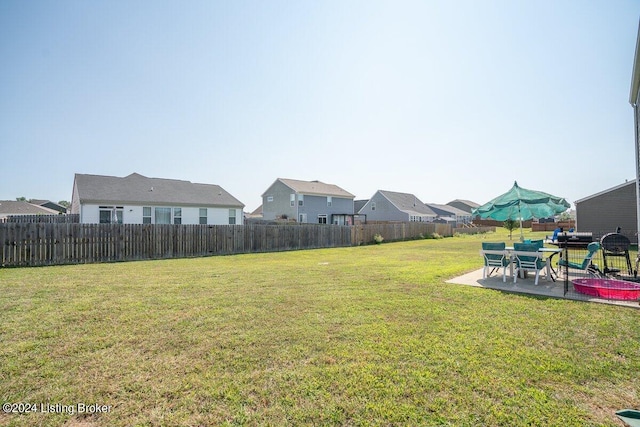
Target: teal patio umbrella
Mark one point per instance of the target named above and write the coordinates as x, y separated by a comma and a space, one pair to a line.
520, 204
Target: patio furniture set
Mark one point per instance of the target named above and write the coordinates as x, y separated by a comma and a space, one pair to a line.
615, 281
520, 258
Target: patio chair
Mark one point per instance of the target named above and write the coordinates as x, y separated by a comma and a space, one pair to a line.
527, 258
495, 257
538, 243
587, 264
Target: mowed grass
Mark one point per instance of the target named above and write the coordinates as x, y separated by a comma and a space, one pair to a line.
350, 336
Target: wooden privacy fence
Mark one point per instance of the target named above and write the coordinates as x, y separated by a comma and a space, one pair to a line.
62, 218
37, 244
392, 231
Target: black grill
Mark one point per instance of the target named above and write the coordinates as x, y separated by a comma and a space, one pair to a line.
615, 253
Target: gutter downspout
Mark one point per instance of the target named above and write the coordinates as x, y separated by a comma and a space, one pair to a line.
637, 151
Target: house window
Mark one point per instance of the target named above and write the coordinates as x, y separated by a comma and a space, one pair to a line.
163, 215
232, 216
300, 200
146, 215
269, 199
373, 206
322, 219
105, 215
329, 201
177, 215
203, 215
111, 214
293, 200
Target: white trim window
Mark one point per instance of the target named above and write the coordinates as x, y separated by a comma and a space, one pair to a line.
300, 199
111, 214
203, 216
163, 215
329, 201
146, 215
292, 199
322, 219
232, 216
373, 206
177, 215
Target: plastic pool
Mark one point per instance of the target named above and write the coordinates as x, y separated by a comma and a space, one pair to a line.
608, 288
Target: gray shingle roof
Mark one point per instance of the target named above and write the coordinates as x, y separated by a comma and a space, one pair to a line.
316, 188
12, 207
447, 210
408, 203
139, 189
359, 204
465, 202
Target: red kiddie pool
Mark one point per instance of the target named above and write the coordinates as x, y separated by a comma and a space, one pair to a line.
608, 288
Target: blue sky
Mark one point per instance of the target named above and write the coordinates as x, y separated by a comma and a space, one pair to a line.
441, 99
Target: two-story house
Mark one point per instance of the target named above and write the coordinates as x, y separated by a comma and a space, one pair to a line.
307, 202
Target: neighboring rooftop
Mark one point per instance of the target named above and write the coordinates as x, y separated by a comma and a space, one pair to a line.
317, 188
359, 204
408, 203
12, 207
136, 188
465, 205
447, 210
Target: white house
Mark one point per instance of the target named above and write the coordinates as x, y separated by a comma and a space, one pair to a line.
136, 199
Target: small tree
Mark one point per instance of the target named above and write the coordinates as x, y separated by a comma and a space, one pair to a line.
510, 225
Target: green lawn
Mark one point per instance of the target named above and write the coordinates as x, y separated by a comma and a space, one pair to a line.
367, 335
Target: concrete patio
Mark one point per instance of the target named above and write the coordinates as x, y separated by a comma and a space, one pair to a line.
527, 286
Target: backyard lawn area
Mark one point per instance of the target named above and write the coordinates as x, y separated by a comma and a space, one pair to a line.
360, 336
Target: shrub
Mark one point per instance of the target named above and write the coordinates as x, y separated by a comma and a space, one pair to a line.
436, 236
378, 239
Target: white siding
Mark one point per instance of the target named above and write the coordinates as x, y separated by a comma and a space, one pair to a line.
132, 214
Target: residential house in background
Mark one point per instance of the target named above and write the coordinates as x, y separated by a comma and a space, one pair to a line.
307, 202
357, 206
256, 215
393, 206
15, 208
603, 212
464, 205
450, 214
49, 204
136, 199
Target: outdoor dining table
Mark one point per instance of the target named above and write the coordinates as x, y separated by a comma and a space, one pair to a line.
548, 253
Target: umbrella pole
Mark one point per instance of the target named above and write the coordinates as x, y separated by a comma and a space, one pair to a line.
521, 235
